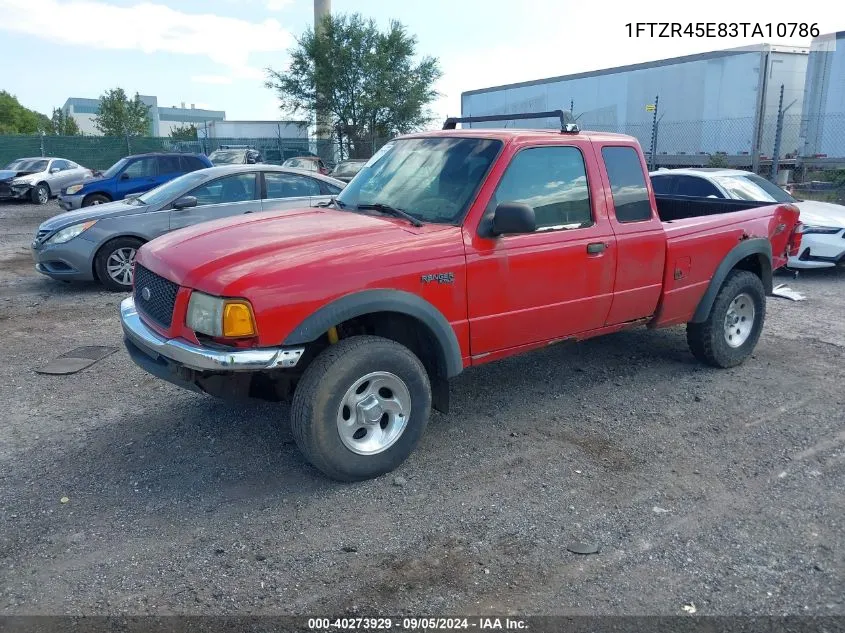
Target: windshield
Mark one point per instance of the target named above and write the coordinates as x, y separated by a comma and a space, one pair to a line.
227, 157
753, 187
111, 172
433, 179
171, 189
32, 165
348, 168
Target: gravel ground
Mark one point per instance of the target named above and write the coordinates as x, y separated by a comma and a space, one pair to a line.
723, 488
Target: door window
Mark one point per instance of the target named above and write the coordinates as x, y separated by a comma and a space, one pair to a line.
695, 186
61, 165
168, 165
282, 185
551, 180
627, 183
663, 185
142, 168
235, 188
192, 163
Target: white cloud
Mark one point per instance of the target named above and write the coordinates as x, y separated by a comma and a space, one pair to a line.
147, 27
211, 79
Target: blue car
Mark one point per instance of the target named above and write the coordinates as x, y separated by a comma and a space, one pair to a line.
130, 175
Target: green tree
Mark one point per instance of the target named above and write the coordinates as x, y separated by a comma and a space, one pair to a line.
369, 82
184, 132
718, 160
16, 119
63, 125
120, 116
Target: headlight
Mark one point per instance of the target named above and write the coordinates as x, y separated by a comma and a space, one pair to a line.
67, 234
214, 316
24, 181
73, 189
820, 230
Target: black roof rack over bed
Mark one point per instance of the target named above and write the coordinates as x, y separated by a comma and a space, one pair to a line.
567, 121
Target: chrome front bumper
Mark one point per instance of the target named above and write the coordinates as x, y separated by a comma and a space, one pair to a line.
198, 357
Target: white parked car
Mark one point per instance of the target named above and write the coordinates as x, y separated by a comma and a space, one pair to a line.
823, 239
38, 179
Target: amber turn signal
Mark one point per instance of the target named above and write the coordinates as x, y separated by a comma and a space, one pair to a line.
238, 320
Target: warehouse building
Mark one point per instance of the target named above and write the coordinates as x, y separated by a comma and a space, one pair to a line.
162, 119
823, 121
718, 102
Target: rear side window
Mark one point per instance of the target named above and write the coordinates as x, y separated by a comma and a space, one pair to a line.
328, 189
627, 183
191, 163
282, 185
551, 180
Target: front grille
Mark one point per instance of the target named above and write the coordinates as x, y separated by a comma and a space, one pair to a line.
41, 236
161, 293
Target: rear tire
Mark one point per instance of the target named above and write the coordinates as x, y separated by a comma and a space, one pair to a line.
730, 333
110, 263
361, 407
95, 198
40, 194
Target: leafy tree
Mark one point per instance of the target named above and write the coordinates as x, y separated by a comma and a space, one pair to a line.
718, 160
369, 82
184, 132
16, 119
63, 125
121, 116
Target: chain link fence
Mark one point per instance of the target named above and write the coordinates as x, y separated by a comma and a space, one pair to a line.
100, 152
808, 141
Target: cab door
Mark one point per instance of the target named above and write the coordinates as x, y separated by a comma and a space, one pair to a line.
640, 238
556, 281
137, 177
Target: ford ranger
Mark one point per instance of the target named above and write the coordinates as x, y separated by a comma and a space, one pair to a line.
450, 249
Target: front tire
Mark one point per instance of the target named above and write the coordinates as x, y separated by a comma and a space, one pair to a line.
361, 407
730, 333
115, 261
95, 198
40, 194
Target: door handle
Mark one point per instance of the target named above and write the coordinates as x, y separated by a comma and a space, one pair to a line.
595, 248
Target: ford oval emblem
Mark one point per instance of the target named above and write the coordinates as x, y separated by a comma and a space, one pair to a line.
145, 293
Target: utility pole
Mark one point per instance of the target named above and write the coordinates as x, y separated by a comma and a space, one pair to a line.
653, 158
322, 9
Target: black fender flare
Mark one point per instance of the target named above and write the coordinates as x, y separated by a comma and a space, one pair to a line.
753, 246
371, 301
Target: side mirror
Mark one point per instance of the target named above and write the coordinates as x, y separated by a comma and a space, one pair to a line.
185, 202
513, 217
55, 170
124, 176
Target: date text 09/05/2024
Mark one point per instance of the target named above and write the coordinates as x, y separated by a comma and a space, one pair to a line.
722, 29
416, 624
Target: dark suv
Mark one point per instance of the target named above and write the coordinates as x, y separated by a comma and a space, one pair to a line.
235, 155
131, 175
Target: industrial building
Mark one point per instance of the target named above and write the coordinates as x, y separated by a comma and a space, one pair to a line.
162, 119
719, 102
823, 121
254, 129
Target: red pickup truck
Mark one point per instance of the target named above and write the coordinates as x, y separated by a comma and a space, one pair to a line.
449, 249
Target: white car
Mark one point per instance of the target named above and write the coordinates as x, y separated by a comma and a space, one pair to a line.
823, 233
38, 179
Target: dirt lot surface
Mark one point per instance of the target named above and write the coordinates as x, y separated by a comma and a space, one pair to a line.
722, 488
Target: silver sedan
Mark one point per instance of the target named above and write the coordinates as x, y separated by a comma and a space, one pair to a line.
39, 178
99, 242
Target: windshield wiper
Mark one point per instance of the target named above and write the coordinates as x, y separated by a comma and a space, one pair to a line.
386, 208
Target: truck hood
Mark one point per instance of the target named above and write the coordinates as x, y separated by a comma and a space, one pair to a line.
821, 213
231, 256
94, 212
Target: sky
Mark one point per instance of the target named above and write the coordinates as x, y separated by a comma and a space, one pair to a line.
213, 53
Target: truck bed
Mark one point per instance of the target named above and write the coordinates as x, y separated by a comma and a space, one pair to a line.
673, 208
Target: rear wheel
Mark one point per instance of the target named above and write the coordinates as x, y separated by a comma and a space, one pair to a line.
360, 408
95, 198
114, 263
40, 194
730, 333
